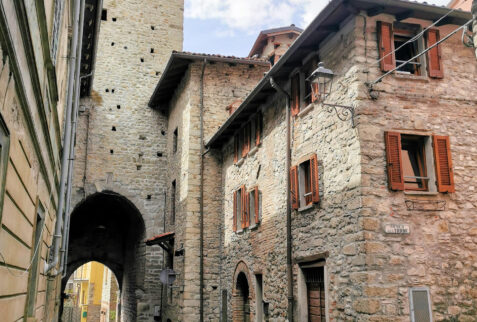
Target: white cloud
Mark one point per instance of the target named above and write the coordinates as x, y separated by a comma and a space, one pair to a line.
250, 16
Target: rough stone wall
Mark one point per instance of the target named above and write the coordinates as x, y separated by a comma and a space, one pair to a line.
133, 46
223, 84
325, 229
440, 250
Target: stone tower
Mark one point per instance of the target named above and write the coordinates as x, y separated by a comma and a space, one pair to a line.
118, 194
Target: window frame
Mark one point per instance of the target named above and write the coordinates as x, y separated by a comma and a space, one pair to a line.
299, 180
411, 301
422, 164
4, 156
243, 140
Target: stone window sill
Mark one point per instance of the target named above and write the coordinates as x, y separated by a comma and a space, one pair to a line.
253, 151
421, 193
254, 227
305, 208
240, 162
306, 110
413, 77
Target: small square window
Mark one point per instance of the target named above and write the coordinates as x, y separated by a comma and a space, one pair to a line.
104, 15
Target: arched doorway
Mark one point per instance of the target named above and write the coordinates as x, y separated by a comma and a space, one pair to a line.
108, 228
241, 295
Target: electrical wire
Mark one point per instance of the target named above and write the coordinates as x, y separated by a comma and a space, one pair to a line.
420, 34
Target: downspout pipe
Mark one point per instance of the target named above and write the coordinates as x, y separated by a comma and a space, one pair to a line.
289, 219
66, 230
202, 153
67, 138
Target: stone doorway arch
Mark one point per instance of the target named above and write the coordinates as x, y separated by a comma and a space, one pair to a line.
108, 228
242, 294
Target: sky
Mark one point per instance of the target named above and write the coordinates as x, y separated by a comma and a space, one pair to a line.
230, 27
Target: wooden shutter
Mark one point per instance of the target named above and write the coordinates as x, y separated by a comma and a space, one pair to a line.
246, 140
434, 61
443, 160
315, 94
295, 94
244, 206
236, 147
258, 128
294, 187
235, 212
386, 46
315, 186
257, 206
394, 160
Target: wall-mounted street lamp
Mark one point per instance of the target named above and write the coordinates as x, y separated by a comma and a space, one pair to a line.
321, 82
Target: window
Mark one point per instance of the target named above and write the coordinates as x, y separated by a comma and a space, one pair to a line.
419, 162
173, 202
174, 140
104, 14
420, 303
247, 208
394, 49
304, 183
248, 137
36, 255
414, 162
302, 93
4, 150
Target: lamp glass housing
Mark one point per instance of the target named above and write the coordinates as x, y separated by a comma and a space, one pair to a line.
323, 79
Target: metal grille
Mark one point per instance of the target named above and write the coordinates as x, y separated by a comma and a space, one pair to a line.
420, 306
315, 285
56, 29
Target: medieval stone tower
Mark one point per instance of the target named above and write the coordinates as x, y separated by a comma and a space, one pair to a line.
119, 191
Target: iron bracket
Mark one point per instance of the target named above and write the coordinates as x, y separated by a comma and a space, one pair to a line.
343, 112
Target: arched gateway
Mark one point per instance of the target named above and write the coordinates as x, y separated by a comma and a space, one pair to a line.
107, 227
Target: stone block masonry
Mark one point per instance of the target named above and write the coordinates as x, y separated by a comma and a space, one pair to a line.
119, 138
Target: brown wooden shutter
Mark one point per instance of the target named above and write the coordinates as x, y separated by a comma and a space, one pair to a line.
386, 46
434, 61
235, 212
315, 186
394, 160
295, 94
244, 207
443, 160
236, 146
257, 206
246, 140
258, 128
294, 187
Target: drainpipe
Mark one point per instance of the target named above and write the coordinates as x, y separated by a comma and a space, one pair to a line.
201, 247
67, 137
289, 234
66, 229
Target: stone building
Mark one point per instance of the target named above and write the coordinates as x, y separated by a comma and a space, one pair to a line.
120, 156
382, 204
34, 41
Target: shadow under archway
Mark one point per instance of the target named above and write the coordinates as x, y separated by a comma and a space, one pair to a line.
108, 228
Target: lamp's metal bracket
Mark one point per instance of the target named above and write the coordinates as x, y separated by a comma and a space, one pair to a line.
343, 112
